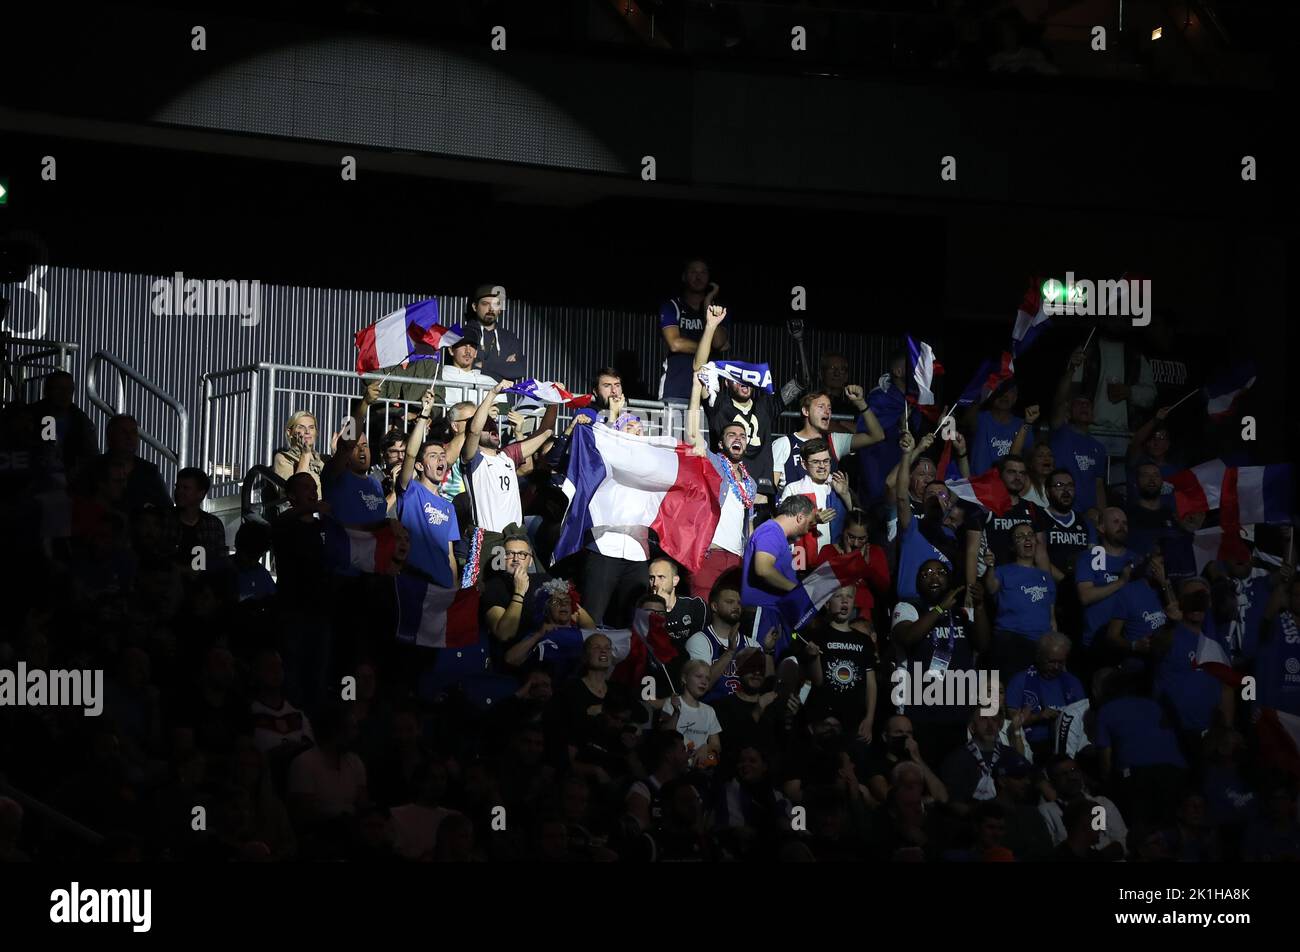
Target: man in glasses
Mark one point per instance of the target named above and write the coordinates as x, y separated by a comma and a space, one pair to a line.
1068, 534
830, 495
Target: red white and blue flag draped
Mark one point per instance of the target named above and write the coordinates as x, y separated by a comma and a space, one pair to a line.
636, 484
431, 616
985, 490
647, 644
800, 604
409, 333
350, 551
1031, 320
544, 391
1212, 658
1224, 392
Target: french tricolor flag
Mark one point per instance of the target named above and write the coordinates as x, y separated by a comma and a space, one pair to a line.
986, 490
409, 333
924, 369
639, 483
1223, 393
431, 616
800, 604
349, 551
1213, 660
1247, 494
1031, 321
547, 392
632, 655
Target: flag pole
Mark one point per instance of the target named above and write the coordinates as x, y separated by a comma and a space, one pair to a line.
1184, 398
1089, 340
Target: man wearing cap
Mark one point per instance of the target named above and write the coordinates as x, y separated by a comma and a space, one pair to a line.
459, 369
500, 354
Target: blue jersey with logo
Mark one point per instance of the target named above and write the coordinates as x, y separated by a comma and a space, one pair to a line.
431, 522
1025, 600
1097, 614
1277, 666
1141, 608
1085, 458
993, 441
1193, 693
679, 368
354, 500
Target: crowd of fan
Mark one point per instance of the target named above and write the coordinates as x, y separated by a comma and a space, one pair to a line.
282, 704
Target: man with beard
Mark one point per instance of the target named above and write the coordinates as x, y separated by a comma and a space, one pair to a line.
1068, 535
1074, 447
427, 515
1100, 573
500, 353
681, 322
1150, 521
738, 489
995, 533
787, 464
932, 534
933, 634
737, 402
720, 643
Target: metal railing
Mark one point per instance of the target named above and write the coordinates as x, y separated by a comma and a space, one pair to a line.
26, 362
245, 410
104, 366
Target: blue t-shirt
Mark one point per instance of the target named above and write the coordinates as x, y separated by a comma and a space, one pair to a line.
914, 550
561, 649
1085, 458
1038, 693
354, 500
679, 368
1193, 693
1025, 600
769, 537
1141, 608
1135, 728
1277, 666
993, 441
1096, 615
431, 521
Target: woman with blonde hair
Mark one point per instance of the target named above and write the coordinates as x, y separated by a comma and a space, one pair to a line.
299, 455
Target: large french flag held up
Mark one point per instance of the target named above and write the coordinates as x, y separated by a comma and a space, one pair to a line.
409, 333
431, 616
800, 604
1198, 489
986, 490
630, 484
1223, 393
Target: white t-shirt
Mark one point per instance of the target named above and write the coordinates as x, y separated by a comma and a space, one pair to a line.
453, 374
730, 533
334, 790
696, 724
841, 442
1115, 831
494, 488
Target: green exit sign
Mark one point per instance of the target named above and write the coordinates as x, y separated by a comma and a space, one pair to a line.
4, 191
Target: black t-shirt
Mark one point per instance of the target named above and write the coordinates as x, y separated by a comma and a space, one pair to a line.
848, 660
299, 559
758, 454
949, 646
499, 589
1067, 536
736, 715
998, 529
688, 616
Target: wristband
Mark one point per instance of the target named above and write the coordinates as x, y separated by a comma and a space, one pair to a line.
518, 596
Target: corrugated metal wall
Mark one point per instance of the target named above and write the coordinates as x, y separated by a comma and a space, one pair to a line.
314, 327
